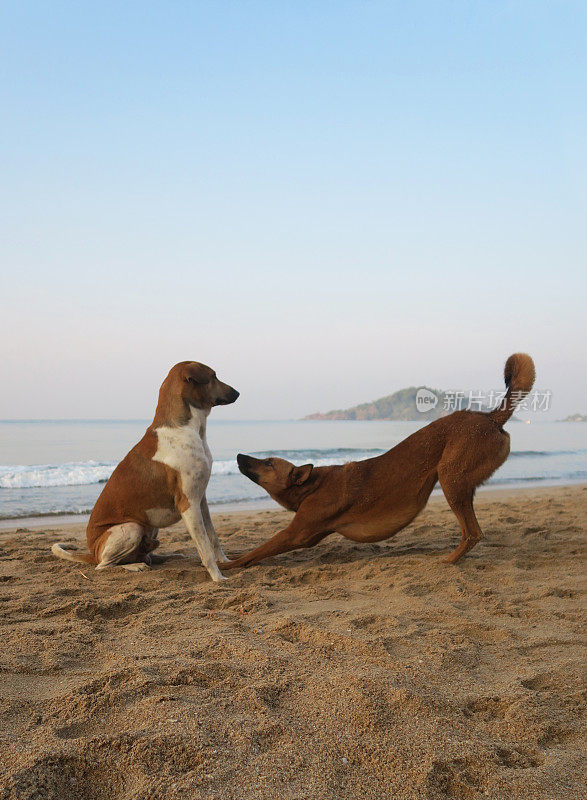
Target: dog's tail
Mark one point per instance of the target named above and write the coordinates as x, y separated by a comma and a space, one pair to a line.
519, 374
69, 553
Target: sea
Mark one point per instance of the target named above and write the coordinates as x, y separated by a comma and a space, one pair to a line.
58, 468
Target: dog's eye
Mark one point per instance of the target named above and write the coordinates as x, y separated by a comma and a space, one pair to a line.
269, 462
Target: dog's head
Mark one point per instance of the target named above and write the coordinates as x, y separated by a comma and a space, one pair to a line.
191, 384
202, 388
286, 483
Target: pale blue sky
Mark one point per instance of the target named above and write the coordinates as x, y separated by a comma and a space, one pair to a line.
326, 201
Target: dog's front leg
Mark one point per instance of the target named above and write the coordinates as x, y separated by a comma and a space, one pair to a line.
291, 538
211, 531
192, 516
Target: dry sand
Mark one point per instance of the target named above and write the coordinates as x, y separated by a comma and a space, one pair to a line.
346, 671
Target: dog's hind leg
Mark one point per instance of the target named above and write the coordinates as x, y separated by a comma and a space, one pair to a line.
124, 548
461, 502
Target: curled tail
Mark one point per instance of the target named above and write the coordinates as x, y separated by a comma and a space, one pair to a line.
69, 553
519, 374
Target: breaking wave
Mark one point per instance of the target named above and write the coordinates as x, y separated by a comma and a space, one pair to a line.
84, 473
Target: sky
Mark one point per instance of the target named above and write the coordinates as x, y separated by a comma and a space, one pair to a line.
325, 201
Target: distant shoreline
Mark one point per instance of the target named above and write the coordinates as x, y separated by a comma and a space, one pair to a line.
215, 421
267, 504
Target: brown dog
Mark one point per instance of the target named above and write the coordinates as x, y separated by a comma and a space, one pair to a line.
162, 480
371, 500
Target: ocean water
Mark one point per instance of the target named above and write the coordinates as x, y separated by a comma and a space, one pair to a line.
59, 467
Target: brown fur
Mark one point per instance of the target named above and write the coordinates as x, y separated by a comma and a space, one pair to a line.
371, 500
138, 483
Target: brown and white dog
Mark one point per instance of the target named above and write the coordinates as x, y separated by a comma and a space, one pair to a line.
161, 480
371, 500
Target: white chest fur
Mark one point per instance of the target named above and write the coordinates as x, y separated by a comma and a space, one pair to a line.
186, 450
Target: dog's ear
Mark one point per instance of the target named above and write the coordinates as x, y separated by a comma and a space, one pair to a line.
301, 474
196, 373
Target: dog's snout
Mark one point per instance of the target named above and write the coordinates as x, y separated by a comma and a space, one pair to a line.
227, 396
245, 466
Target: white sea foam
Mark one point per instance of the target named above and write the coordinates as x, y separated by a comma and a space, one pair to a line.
18, 476
83, 473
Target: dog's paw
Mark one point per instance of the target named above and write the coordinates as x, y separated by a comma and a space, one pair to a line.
228, 564
140, 566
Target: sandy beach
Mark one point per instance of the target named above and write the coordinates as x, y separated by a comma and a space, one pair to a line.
345, 671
